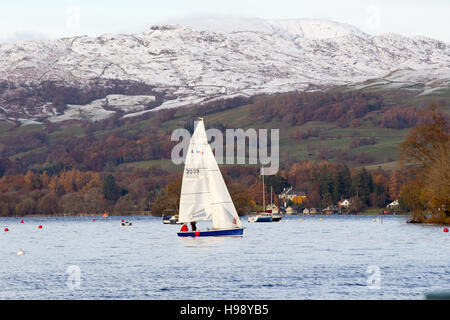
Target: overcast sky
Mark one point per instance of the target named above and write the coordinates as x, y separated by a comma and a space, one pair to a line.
31, 19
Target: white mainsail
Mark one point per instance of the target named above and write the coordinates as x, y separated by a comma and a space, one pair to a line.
204, 195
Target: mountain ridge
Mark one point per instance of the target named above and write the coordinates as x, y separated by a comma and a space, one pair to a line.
178, 65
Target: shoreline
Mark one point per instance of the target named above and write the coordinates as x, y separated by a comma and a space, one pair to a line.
150, 215
77, 215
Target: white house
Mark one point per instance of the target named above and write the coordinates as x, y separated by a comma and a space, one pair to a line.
344, 203
290, 210
393, 204
307, 211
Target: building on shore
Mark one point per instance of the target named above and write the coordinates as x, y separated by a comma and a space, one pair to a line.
289, 194
308, 211
344, 203
393, 205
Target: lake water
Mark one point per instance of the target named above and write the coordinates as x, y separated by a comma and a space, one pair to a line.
338, 257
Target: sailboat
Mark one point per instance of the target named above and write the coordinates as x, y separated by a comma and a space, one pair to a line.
275, 216
261, 216
265, 215
204, 195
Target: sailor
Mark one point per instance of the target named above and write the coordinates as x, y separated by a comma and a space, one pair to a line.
184, 228
193, 226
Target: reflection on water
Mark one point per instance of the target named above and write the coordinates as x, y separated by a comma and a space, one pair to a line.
338, 257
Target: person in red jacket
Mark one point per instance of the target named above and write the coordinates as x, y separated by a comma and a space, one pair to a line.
184, 228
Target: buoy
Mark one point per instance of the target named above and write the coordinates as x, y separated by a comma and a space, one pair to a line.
123, 221
93, 219
321, 219
445, 230
20, 252
40, 227
6, 229
21, 221
300, 219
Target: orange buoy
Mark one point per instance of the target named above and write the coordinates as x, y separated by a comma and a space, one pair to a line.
21, 221
40, 227
6, 229
445, 230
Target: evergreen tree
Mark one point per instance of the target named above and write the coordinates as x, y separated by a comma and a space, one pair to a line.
277, 182
345, 182
111, 190
362, 186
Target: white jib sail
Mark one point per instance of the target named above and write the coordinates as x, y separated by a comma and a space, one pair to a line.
204, 195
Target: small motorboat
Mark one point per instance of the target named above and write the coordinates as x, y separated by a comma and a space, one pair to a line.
171, 219
169, 216
126, 223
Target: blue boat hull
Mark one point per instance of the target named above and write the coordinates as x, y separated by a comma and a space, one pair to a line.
212, 233
260, 219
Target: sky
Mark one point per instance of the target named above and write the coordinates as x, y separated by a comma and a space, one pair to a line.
49, 19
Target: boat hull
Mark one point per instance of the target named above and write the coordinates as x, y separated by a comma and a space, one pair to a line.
213, 233
260, 219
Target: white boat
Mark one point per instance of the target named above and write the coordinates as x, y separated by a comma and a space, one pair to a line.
265, 215
169, 217
204, 195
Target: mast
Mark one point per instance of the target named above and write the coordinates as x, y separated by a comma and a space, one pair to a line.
264, 195
271, 196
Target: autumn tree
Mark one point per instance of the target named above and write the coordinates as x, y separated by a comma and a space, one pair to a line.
395, 182
48, 204
170, 199
427, 147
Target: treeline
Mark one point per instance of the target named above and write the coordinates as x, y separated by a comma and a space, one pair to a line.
153, 190
347, 109
94, 153
81, 192
326, 183
299, 108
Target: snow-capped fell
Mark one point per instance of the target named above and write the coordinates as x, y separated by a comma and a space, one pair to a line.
205, 60
303, 28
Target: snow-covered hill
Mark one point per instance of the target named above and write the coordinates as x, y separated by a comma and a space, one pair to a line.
176, 65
